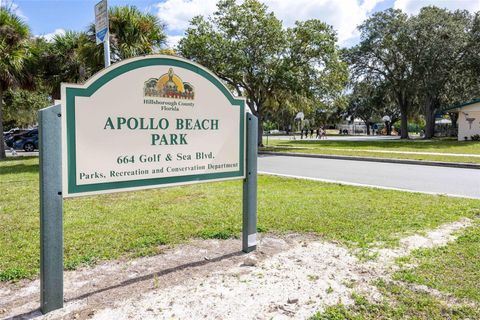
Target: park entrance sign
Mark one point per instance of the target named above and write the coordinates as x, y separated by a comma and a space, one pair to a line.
147, 122
150, 122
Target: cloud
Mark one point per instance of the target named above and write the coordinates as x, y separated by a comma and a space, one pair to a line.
49, 36
344, 15
178, 13
172, 41
414, 6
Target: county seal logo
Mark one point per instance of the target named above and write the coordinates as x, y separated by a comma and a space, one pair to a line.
169, 86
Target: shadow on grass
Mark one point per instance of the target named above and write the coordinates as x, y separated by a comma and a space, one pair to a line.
19, 168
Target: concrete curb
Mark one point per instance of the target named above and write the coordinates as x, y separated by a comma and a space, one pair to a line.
385, 160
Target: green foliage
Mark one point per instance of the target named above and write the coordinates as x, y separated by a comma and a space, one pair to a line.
365, 103
268, 125
21, 107
370, 101
246, 46
439, 50
65, 59
74, 56
14, 38
423, 61
14, 56
33, 62
132, 33
384, 54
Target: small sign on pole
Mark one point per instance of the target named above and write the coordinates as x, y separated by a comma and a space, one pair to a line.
101, 21
101, 28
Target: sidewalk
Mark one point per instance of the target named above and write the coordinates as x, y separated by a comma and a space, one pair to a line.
386, 151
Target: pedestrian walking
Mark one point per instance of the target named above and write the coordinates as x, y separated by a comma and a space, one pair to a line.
324, 133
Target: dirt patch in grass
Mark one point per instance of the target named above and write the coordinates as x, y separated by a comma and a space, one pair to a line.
289, 276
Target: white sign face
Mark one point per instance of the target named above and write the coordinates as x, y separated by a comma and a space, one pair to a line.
101, 21
149, 122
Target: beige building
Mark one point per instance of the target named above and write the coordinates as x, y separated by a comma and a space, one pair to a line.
468, 119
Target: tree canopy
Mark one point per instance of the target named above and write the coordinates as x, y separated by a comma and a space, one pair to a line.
33, 63
426, 61
247, 47
406, 67
14, 56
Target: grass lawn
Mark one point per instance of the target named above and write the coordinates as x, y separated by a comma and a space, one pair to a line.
402, 303
454, 269
358, 148
135, 223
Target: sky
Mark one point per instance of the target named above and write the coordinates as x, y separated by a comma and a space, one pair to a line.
49, 17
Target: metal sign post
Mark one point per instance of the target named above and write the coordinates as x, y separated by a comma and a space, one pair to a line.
106, 50
101, 29
51, 209
249, 230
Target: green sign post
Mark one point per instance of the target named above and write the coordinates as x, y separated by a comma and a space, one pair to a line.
146, 122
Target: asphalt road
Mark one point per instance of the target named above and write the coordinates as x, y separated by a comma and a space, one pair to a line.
427, 179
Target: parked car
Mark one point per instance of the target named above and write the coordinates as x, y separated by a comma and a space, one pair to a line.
27, 141
13, 132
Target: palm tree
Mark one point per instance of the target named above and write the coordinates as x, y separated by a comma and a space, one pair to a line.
14, 55
74, 56
63, 60
132, 33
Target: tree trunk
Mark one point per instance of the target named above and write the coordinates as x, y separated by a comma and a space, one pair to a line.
260, 131
259, 118
429, 119
2, 138
367, 124
403, 104
403, 125
454, 118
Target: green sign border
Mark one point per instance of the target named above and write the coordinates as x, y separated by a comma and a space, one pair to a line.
72, 92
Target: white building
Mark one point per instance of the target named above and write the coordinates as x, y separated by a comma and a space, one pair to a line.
468, 119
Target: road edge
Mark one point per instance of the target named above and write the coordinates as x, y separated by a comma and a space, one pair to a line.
363, 185
371, 159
